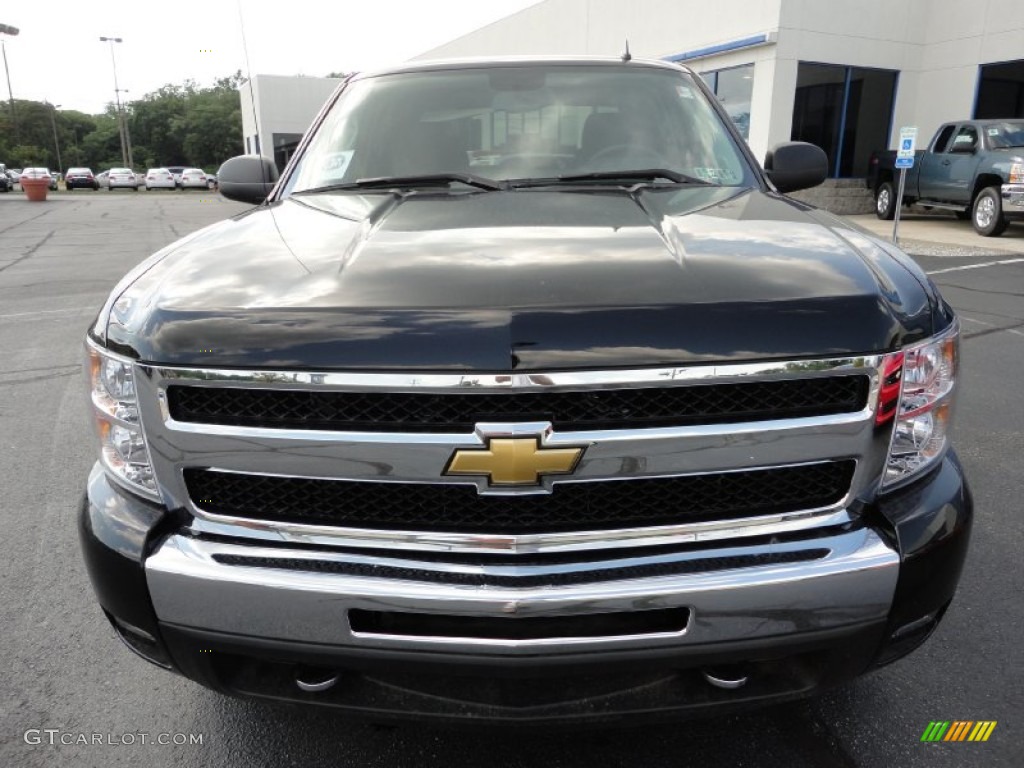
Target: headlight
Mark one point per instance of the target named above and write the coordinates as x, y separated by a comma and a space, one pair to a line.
123, 450
917, 394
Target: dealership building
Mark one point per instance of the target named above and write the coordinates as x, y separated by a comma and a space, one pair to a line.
843, 75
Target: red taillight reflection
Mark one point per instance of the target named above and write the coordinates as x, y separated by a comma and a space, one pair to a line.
889, 393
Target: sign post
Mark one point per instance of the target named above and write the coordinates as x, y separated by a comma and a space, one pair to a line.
904, 160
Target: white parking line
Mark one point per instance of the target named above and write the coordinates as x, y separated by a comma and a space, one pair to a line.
46, 312
976, 266
1014, 331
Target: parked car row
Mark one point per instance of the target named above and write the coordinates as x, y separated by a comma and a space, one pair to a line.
174, 177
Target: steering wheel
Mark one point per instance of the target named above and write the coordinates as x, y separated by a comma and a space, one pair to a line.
639, 156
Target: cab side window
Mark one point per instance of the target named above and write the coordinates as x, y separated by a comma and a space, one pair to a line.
966, 139
943, 138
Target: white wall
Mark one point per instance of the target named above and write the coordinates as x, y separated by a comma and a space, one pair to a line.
655, 28
959, 38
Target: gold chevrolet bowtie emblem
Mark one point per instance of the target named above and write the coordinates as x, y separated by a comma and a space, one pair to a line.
514, 461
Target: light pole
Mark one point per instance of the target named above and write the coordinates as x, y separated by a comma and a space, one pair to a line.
11, 31
127, 133
56, 141
117, 98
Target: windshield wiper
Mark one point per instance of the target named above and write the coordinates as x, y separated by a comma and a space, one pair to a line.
426, 180
638, 175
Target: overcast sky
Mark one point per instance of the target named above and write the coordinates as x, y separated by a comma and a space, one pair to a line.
58, 55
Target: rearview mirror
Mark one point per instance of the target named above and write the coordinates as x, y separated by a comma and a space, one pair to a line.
795, 165
247, 178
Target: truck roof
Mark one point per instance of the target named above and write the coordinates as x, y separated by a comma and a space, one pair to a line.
477, 62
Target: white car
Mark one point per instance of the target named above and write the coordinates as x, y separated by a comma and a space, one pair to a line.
159, 178
122, 178
194, 178
39, 173
176, 171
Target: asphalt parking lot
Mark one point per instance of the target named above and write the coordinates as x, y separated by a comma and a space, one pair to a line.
63, 669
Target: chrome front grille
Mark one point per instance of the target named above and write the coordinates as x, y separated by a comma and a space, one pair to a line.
672, 455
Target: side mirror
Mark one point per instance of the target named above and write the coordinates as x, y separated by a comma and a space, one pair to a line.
247, 178
795, 165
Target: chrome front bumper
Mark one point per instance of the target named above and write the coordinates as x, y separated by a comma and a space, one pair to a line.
849, 581
1013, 198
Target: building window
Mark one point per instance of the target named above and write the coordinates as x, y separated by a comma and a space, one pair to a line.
734, 87
847, 111
1000, 91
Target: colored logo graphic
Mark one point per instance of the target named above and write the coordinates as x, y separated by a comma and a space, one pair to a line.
514, 461
959, 730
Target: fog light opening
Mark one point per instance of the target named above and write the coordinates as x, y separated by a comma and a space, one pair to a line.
923, 625
140, 642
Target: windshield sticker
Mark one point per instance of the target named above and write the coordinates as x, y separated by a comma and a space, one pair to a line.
993, 131
684, 91
337, 162
714, 175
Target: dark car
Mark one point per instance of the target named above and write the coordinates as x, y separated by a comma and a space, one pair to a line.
973, 168
525, 395
80, 178
6, 182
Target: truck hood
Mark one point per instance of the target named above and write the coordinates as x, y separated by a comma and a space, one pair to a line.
529, 279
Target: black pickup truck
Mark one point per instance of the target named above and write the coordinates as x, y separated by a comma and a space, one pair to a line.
973, 168
525, 395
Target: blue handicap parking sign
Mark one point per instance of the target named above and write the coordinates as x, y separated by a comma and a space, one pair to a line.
904, 162
908, 143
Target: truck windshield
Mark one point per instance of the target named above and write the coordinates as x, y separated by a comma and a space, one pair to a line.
1005, 134
541, 122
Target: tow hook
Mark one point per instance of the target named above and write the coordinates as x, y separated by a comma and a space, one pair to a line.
315, 679
730, 677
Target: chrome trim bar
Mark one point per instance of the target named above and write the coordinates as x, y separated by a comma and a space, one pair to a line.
442, 382
572, 541
190, 588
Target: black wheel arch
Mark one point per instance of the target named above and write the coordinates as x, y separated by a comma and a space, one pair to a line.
983, 181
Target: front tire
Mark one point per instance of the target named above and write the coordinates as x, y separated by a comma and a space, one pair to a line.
885, 201
987, 213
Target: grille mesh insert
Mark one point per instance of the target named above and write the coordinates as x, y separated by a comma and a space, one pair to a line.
572, 506
567, 410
